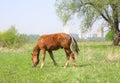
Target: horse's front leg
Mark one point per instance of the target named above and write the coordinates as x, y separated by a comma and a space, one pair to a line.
43, 58
52, 57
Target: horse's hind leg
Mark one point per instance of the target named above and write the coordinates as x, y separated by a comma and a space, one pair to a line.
52, 57
43, 58
68, 51
73, 59
68, 54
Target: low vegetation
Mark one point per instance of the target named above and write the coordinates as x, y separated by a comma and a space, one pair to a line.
109, 36
97, 62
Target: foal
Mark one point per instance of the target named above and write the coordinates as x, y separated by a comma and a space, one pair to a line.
54, 42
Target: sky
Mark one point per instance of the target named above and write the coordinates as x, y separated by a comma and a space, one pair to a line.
35, 17
30, 16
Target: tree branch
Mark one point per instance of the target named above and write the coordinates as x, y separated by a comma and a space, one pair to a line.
104, 17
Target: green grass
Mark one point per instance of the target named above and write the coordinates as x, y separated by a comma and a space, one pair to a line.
98, 62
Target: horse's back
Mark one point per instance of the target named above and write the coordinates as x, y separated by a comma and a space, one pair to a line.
54, 41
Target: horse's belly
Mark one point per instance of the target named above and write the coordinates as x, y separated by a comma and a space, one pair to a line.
52, 47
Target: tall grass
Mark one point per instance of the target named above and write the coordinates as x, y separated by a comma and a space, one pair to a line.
97, 62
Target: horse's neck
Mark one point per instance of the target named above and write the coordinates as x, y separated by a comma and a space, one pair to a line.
36, 48
36, 51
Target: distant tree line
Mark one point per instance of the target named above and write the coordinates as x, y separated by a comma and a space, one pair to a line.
108, 37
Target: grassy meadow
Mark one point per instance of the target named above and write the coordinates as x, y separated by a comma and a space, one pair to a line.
97, 62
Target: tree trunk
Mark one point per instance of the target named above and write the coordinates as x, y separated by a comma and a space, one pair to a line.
116, 39
117, 33
115, 26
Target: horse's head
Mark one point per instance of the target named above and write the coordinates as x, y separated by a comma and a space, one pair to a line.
35, 58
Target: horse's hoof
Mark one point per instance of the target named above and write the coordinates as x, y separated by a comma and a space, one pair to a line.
65, 67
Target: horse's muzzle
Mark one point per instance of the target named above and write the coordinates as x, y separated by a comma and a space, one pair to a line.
33, 65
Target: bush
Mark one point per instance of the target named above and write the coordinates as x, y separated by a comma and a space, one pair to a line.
109, 36
11, 38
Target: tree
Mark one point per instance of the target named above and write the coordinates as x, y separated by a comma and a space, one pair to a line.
91, 11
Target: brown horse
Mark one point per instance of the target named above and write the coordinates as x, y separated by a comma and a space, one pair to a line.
54, 42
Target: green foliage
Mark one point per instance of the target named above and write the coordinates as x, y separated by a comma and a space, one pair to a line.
109, 36
11, 38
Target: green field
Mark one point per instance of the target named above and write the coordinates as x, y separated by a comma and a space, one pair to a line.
98, 62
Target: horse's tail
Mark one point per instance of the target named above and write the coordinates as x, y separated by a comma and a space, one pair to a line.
75, 45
